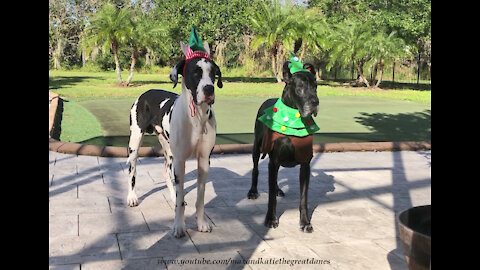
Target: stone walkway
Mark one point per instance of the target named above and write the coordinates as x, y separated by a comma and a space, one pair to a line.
354, 198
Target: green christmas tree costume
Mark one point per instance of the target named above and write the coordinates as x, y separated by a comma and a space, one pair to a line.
287, 120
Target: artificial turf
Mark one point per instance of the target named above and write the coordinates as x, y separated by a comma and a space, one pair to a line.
341, 119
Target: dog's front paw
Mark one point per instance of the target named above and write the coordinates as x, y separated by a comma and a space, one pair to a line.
271, 222
132, 199
178, 231
307, 228
253, 194
204, 226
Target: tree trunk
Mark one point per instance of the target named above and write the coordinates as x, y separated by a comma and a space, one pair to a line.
381, 74
132, 66
360, 74
304, 47
374, 74
318, 74
57, 55
148, 61
281, 52
274, 66
117, 62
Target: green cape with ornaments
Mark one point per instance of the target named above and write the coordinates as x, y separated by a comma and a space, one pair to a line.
286, 120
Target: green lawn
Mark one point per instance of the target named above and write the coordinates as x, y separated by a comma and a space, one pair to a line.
78, 84
97, 112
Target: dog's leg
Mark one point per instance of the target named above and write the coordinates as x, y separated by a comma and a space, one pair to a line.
179, 222
305, 225
168, 165
136, 137
271, 220
253, 192
203, 169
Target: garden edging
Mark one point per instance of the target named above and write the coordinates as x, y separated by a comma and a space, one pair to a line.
155, 151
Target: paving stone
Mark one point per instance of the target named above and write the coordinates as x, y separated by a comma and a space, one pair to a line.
66, 186
144, 264
80, 249
111, 164
245, 214
232, 236
63, 225
137, 245
87, 164
160, 218
207, 260
111, 223
376, 257
392, 246
65, 165
75, 266
354, 199
78, 206
293, 257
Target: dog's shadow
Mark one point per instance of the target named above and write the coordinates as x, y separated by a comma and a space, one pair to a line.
231, 188
229, 193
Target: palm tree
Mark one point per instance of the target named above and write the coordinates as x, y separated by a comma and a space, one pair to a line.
309, 30
347, 43
386, 49
109, 27
270, 24
148, 35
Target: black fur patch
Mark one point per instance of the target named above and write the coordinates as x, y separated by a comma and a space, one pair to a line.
149, 113
133, 182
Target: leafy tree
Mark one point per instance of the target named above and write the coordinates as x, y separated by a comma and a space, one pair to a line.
65, 27
347, 42
218, 22
148, 36
384, 50
309, 30
110, 27
356, 42
270, 23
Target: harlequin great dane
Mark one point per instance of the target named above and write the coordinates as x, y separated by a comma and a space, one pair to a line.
185, 126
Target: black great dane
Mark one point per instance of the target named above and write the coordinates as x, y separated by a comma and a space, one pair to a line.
299, 99
185, 126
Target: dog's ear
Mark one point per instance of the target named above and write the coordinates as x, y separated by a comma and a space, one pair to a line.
219, 73
207, 48
184, 48
174, 73
286, 72
310, 67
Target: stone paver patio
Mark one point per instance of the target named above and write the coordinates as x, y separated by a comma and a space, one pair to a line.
354, 198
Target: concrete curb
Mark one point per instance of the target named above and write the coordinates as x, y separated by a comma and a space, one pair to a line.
156, 151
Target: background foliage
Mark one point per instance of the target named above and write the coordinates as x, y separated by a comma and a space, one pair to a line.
252, 36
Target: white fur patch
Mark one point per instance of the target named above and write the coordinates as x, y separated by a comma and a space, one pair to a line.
163, 102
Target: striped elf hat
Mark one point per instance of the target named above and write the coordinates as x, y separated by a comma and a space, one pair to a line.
195, 46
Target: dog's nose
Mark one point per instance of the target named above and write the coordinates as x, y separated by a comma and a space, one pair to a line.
208, 90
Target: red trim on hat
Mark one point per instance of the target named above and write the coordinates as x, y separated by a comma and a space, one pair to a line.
194, 54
